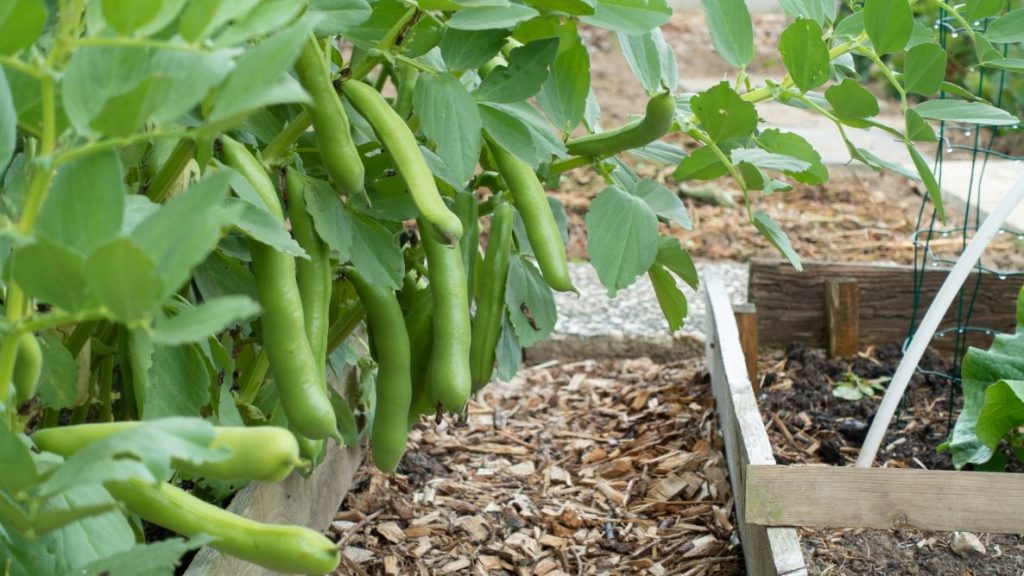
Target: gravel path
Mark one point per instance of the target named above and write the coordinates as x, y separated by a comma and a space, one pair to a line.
635, 311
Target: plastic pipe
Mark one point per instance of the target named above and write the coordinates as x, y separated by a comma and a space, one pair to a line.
936, 312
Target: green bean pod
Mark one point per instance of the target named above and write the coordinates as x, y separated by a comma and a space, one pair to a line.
394, 383
419, 323
657, 121
28, 367
541, 227
313, 275
468, 210
400, 142
330, 122
298, 373
449, 374
490, 306
278, 547
258, 453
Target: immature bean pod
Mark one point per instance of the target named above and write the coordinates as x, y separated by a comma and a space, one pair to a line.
468, 210
28, 368
333, 129
281, 548
258, 453
400, 142
394, 384
298, 373
313, 275
657, 121
490, 307
541, 227
419, 323
449, 374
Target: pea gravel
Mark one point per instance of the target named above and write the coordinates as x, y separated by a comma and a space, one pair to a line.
634, 312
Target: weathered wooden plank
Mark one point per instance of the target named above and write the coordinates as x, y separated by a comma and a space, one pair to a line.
839, 497
842, 316
746, 322
791, 304
771, 551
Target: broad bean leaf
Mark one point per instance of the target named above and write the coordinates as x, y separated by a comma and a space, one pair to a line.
805, 54
665, 204
375, 251
794, 145
268, 16
126, 16
673, 257
929, 180
490, 17
125, 280
511, 134
670, 297
260, 79
851, 100
203, 18
564, 96
769, 160
701, 164
8, 123
53, 274
651, 59
525, 75
918, 129
571, 7
368, 33
978, 9
260, 225
19, 470
194, 325
179, 383
1007, 29
57, 388
330, 218
660, 153
732, 30
629, 16
778, 238
925, 69
337, 17
821, 11
116, 89
21, 23
449, 118
156, 559
202, 211
469, 49
622, 237
70, 548
530, 303
509, 353
723, 114
889, 24
85, 206
220, 275
951, 110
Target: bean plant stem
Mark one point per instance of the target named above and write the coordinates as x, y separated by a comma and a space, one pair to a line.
106, 384
171, 170
254, 378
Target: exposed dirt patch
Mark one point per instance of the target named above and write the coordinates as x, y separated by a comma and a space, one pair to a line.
583, 468
807, 424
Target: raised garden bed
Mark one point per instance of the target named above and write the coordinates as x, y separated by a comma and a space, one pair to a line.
904, 497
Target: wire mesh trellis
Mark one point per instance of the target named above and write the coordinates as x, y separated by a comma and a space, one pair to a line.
981, 151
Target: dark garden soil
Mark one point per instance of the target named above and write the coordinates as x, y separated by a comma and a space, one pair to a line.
808, 425
589, 468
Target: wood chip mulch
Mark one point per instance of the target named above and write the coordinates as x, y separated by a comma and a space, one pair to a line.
571, 469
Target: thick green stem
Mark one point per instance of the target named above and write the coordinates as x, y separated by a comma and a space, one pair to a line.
106, 384
169, 173
255, 377
279, 146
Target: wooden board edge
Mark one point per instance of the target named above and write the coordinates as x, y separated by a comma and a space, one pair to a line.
767, 551
884, 498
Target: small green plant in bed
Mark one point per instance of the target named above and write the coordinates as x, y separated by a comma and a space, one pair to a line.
854, 387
